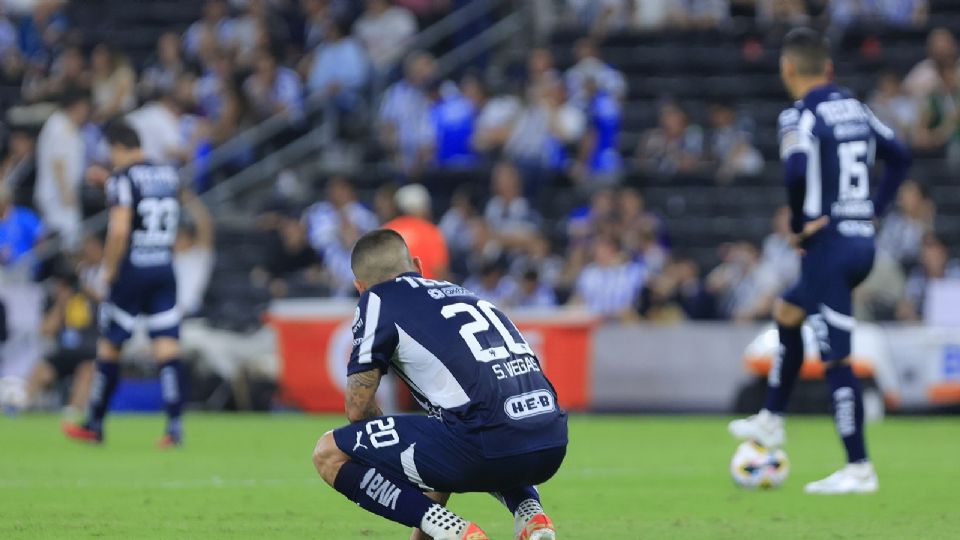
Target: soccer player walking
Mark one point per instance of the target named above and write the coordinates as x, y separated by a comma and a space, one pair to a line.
493, 424
138, 268
828, 141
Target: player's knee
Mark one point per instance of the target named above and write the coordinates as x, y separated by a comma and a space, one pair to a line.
328, 458
165, 348
787, 314
107, 351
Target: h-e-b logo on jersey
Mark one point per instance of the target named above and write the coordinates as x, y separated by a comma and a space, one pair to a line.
530, 404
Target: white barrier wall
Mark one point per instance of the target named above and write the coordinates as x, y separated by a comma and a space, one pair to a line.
700, 367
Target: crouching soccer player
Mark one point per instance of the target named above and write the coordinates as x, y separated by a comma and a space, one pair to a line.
828, 142
138, 267
493, 424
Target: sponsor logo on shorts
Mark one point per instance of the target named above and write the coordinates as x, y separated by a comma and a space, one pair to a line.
530, 404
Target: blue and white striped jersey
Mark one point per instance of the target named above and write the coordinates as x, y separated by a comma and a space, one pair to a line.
837, 138
153, 193
464, 361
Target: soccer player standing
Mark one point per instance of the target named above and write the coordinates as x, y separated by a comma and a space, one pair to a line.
493, 424
828, 141
144, 202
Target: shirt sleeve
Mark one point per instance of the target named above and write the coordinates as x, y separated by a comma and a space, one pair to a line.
375, 339
788, 128
119, 192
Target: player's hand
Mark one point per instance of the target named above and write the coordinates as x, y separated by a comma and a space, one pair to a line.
809, 229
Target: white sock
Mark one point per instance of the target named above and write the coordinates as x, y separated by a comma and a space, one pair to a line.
442, 524
527, 510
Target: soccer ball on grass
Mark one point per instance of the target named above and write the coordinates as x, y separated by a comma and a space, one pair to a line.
756, 467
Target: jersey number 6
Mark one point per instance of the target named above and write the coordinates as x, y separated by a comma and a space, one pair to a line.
483, 317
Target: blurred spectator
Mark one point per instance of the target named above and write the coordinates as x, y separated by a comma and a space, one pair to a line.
42, 32
193, 256
935, 263
598, 157
18, 168
273, 89
508, 212
162, 72
652, 14
547, 125
385, 203
590, 66
494, 285
68, 70
939, 123
730, 144
701, 14
9, 40
289, 258
781, 13
257, 28
333, 227
454, 115
674, 146
777, 254
676, 294
158, 124
905, 13
744, 287
532, 293
113, 83
232, 113
600, 16
925, 77
318, 13
405, 129
385, 31
60, 164
641, 232
893, 106
415, 225
216, 27
599, 217
340, 69
90, 267
610, 285
69, 321
495, 121
20, 231
537, 255
456, 226
904, 228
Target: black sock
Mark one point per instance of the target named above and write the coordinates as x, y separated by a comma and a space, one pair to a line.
784, 371
513, 498
104, 385
171, 386
848, 410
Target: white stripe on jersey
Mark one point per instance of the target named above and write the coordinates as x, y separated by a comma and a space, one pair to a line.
812, 202
428, 373
370, 320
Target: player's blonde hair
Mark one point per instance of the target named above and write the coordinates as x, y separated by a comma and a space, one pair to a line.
379, 256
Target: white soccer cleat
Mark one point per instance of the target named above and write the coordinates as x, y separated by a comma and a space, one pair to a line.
764, 427
854, 478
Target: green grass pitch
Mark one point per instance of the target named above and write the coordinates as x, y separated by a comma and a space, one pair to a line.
244, 476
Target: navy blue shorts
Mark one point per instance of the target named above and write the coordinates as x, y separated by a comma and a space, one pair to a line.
428, 454
151, 292
831, 269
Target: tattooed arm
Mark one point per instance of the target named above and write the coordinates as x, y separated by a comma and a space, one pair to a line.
361, 403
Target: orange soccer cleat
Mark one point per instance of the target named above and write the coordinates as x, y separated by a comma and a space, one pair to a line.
82, 433
169, 441
538, 528
474, 532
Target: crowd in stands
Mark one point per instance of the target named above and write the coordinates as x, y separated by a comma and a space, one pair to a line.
526, 135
